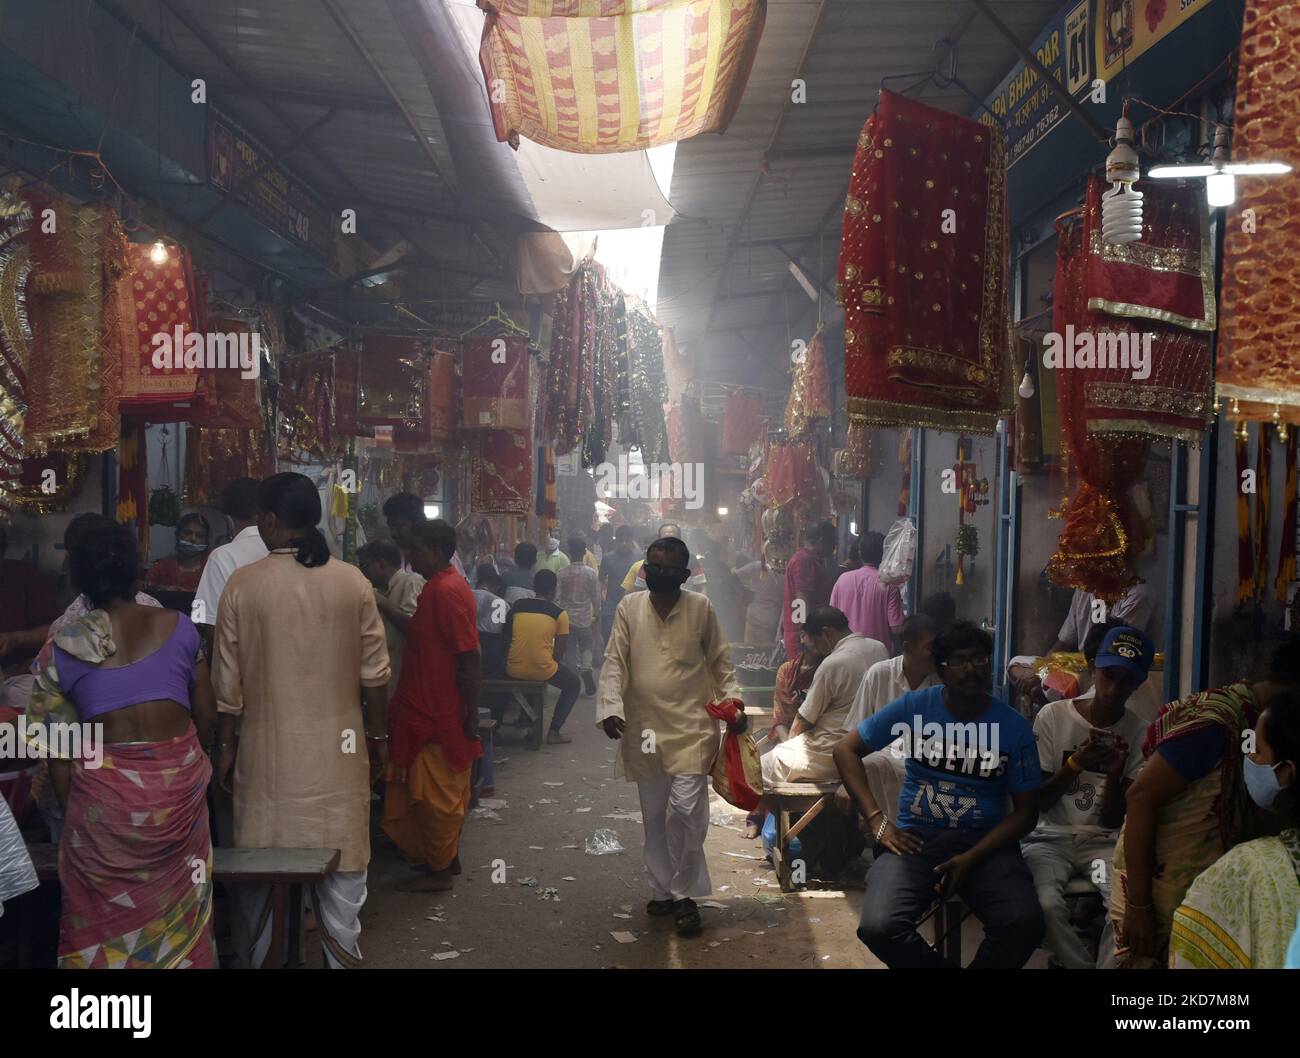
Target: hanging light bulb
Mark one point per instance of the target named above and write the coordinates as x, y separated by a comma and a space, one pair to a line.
1121, 206
1026, 389
1220, 189
1220, 173
158, 253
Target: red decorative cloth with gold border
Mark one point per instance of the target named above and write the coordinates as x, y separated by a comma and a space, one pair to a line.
1157, 286
922, 272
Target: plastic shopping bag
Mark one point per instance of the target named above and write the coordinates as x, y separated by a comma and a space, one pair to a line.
737, 774
900, 552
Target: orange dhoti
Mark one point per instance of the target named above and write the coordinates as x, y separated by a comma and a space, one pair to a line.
425, 806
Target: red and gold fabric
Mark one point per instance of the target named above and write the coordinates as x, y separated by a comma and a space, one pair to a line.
15, 340
214, 458
810, 389
1167, 275
156, 299
547, 488
393, 381
598, 76
922, 272
1102, 527
226, 399
791, 474
1148, 287
501, 472
307, 402
495, 387
1256, 358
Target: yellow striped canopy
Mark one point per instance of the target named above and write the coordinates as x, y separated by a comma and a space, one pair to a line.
599, 76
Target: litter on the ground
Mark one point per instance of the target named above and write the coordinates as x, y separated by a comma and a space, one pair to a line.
635, 817
582, 809
483, 813
549, 893
742, 855
494, 803
603, 843
623, 937
713, 903
446, 955
619, 914
538, 848
530, 882
568, 878
714, 943
434, 918
547, 801
568, 846
552, 784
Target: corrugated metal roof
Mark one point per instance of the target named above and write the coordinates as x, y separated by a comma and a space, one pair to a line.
279, 65
724, 286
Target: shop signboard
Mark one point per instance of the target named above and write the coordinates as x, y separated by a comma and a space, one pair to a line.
1125, 29
1024, 103
239, 165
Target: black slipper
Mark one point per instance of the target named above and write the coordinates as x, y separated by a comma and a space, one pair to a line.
688, 918
659, 908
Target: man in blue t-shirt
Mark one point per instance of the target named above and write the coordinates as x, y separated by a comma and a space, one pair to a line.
967, 755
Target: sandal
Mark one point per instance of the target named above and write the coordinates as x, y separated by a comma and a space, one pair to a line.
688, 920
659, 908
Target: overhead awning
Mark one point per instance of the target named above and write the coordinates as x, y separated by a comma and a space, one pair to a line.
602, 76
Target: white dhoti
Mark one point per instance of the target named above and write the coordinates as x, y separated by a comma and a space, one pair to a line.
337, 903
885, 772
794, 760
675, 816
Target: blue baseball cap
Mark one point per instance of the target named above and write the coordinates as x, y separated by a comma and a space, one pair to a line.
1126, 648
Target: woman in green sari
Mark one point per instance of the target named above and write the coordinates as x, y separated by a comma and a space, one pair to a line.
1240, 912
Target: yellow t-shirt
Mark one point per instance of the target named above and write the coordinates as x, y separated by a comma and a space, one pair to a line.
629, 582
531, 629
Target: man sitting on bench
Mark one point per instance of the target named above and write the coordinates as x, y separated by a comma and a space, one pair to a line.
537, 632
966, 753
822, 719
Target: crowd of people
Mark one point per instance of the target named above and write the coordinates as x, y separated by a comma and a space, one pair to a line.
259, 694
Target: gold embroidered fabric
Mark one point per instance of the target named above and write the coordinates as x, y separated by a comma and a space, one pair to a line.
1259, 340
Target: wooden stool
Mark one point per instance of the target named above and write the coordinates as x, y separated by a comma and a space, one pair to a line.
286, 871
531, 696
806, 798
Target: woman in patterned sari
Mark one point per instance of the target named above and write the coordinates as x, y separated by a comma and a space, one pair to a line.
1187, 807
1239, 913
135, 862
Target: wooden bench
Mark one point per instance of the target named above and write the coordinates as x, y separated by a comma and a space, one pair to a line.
530, 695
806, 798
946, 918
286, 871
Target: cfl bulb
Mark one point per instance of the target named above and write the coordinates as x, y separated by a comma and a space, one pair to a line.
1121, 206
1220, 189
158, 253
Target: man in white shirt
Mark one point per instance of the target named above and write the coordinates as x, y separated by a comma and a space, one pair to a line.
1090, 750
397, 591
666, 660
240, 503
887, 681
578, 595
822, 719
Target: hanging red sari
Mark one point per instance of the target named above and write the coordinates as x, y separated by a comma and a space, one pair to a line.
922, 272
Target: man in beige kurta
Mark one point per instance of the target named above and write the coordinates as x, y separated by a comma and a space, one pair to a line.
294, 646
660, 673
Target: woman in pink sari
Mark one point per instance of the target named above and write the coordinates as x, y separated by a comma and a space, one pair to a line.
112, 704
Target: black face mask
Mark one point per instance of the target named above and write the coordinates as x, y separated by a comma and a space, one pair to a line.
661, 583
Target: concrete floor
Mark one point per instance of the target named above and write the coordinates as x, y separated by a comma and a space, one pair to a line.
540, 836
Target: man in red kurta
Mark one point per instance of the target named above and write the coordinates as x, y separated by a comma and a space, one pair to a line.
433, 717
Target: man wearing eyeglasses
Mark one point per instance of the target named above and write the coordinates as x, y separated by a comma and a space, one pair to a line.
970, 793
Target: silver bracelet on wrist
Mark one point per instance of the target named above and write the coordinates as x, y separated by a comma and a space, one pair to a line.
883, 824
